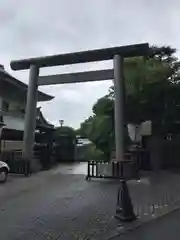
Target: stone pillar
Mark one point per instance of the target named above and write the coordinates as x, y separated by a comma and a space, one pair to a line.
119, 106
30, 117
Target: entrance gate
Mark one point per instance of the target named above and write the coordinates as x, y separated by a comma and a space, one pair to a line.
34, 64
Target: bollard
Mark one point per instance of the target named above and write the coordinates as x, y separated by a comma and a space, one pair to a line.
88, 171
153, 210
113, 169
93, 169
97, 173
117, 169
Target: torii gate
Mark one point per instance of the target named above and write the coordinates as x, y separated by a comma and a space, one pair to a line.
34, 64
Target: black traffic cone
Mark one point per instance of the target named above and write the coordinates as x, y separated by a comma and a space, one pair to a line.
119, 205
124, 209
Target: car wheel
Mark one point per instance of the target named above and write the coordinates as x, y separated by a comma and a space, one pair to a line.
3, 175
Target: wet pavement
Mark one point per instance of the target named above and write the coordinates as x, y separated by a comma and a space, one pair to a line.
75, 168
56, 205
60, 204
166, 228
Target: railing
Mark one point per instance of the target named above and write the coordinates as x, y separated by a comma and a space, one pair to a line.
42, 158
18, 165
114, 170
1, 118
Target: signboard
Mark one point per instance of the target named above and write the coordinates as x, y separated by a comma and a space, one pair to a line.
146, 128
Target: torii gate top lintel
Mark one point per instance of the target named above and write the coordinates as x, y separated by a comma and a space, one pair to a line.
82, 57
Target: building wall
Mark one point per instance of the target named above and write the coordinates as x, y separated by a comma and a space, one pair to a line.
12, 103
13, 95
12, 118
7, 145
14, 122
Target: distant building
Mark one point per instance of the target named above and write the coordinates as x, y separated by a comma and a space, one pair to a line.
12, 111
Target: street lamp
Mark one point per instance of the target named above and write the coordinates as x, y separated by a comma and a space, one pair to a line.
61, 122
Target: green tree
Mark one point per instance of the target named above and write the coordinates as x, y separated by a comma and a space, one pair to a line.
99, 128
152, 87
65, 130
152, 93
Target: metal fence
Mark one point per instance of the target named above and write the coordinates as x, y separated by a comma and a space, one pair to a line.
112, 170
41, 159
18, 165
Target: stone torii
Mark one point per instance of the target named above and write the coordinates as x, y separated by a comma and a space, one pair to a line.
117, 54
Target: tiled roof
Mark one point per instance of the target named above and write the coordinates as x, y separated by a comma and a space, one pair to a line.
5, 76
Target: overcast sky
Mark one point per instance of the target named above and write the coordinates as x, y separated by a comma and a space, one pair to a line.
44, 27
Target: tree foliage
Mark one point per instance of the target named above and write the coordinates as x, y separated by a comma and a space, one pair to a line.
152, 87
65, 130
152, 93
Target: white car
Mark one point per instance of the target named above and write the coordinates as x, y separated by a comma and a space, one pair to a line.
4, 170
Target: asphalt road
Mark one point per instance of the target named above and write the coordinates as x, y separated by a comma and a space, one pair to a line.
57, 206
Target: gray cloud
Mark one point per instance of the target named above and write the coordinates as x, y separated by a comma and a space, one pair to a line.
43, 27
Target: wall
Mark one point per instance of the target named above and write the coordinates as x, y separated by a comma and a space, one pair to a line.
14, 121
13, 95
11, 145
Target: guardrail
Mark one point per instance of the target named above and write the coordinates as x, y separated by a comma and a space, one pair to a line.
113, 170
